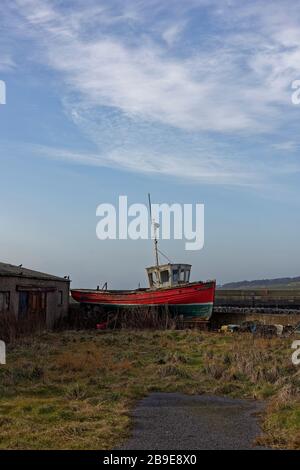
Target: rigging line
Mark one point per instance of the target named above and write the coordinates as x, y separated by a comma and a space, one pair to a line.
165, 256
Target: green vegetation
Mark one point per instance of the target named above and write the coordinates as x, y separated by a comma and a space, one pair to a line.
75, 390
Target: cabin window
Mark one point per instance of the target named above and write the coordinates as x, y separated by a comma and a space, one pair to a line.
60, 297
182, 275
175, 275
164, 276
4, 301
187, 275
150, 276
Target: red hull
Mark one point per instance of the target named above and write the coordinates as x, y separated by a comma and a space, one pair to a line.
193, 293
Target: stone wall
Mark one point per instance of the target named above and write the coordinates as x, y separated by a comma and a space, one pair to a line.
219, 319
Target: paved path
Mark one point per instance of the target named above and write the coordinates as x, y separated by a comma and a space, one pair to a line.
172, 421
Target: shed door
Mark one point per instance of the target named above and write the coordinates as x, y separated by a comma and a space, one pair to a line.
23, 304
33, 305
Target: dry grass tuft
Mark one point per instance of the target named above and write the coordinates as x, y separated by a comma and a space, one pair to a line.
75, 389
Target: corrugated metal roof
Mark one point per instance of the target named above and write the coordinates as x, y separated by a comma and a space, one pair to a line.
10, 270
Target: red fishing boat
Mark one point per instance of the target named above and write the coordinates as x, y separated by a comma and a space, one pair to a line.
193, 299
169, 285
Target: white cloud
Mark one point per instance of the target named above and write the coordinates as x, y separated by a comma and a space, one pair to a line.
288, 146
6, 62
224, 89
234, 80
172, 33
206, 168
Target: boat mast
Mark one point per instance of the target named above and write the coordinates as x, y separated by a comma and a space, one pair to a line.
155, 227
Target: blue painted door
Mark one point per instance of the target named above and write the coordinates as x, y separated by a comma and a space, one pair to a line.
23, 304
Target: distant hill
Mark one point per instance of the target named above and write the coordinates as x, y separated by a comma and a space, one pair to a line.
280, 283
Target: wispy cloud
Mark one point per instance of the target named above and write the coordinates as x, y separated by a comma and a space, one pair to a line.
173, 33
205, 168
288, 146
232, 78
6, 62
224, 86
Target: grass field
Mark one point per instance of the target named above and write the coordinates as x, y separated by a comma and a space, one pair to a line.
75, 390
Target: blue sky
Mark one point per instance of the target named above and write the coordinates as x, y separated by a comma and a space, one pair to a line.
188, 100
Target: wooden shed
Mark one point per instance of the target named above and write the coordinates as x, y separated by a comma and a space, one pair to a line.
33, 296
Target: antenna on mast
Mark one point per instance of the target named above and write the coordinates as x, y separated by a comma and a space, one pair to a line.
155, 227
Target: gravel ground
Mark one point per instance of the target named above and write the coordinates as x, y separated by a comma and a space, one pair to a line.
173, 421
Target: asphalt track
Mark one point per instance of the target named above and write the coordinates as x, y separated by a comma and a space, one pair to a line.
173, 421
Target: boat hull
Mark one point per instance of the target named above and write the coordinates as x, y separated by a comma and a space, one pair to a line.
190, 312
191, 301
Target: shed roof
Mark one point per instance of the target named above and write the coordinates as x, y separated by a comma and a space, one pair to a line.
9, 270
